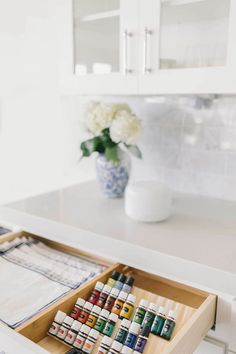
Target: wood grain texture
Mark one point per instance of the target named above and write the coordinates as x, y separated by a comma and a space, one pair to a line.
36, 328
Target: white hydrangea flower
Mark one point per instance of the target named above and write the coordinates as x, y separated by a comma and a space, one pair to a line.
125, 128
99, 116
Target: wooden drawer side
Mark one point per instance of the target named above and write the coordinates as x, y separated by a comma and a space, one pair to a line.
36, 328
188, 339
167, 288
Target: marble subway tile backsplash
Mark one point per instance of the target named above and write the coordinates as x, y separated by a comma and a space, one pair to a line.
188, 141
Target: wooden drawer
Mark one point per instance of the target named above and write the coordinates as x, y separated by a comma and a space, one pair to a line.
196, 310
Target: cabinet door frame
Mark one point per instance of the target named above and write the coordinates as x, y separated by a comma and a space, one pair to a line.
186, 80
114, 83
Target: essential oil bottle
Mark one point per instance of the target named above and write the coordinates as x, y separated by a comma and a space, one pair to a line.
90, 341
93, 316
115, 347
126, 350
128, 307
104, 345
57, 322
150, 315
123, 331
63, 330
113, 278
119, 303
103, 296
141, 311
111, 299
102, 319
81, 337
120, 282
169, 326
94, 296
127, 287
85, 312
132, 335
110, 325
73, 332
159, 321
142, 340
76, 311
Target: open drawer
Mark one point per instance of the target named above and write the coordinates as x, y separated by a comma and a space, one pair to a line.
195, 309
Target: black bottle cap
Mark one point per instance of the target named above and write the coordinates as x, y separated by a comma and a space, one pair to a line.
145, 331
129, 281
122, 278
115, 275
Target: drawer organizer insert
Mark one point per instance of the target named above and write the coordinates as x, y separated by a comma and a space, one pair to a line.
195, 309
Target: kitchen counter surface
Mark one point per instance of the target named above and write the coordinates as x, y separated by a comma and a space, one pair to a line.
196, 245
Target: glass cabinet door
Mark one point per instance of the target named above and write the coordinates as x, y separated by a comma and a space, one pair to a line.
96, 36
193, 33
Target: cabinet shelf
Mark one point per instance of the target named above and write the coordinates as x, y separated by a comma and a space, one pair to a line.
100, 16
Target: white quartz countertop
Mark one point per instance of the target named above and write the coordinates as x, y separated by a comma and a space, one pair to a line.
196, 245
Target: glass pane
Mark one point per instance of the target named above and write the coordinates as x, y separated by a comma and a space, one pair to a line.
96, 36
194, 33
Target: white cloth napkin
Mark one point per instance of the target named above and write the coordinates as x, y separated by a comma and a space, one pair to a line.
33, 275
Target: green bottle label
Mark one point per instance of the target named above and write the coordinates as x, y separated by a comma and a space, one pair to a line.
109, 328
99, 326
121, 336
168, 329
148, 320
139, 316
158, 325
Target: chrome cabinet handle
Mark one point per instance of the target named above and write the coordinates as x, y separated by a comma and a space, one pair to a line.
147, 35
127, 35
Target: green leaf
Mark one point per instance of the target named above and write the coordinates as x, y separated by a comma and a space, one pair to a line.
134, 150
89, 146
106, 139
111, 154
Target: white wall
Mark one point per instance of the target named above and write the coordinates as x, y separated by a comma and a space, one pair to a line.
32, 130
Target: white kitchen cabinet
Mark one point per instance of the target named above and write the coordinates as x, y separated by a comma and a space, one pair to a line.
148, 46
188, 46
99, 46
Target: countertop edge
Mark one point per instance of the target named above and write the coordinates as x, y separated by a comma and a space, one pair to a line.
175, 268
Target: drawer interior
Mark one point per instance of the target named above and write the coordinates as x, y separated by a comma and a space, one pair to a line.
195, 309
195, 313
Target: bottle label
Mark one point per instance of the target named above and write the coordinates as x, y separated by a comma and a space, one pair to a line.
140, 344
62, 332
102, 300
101, 351
139, 316
158, 325
91, 321
99, 326
88, 346
121, 335
79, 341
83, 316
75, 312
70, 337
126, 311
108, 330
148, 320
54, 328
168, 329
130, 340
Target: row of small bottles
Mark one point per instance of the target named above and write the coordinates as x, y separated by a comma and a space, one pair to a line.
100, 313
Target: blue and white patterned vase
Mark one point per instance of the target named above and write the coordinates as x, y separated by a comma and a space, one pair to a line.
113, 178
